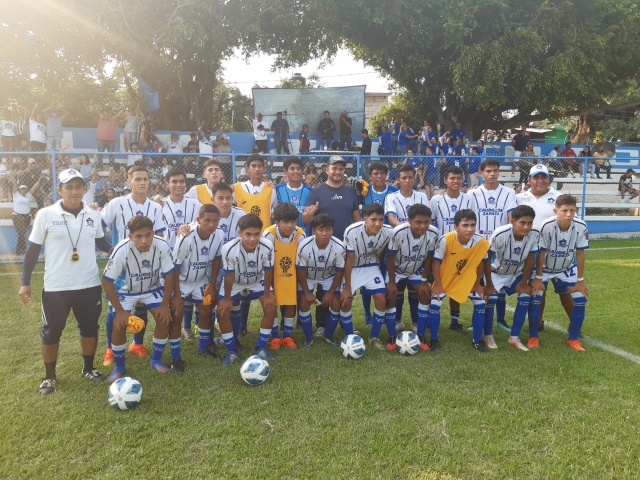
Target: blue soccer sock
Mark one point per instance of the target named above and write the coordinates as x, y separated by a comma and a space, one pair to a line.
434, 317
118, 356
275, 332
204, 339
263, 338
378, 321
488, 313
534, 314
501, 307
229, 342
423, 318
287, 328
175, 349
399, 306
366, 303
413, 305
138, 338
347, 322
236, 319
455, 317
187, 314
158, 350
332, 323
245, 304
390, 321
577, 315
477, 319
522, 307
307, 324
108, 326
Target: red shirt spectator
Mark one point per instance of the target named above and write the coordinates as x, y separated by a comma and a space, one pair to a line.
107, 126
568, 152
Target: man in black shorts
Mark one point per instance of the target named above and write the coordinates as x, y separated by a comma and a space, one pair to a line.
70, 232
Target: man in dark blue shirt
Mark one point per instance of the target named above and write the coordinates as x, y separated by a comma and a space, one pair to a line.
280, 129
458, 133
326, 127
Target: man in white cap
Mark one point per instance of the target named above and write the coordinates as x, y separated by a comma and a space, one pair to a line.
70, 232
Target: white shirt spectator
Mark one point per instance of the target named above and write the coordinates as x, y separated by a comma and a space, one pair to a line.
37, 131
543, 206
131, 124
259, 134
22, 203
8, 128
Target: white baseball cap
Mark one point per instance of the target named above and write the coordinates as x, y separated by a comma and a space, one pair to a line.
537, 169
69, 174
32, 160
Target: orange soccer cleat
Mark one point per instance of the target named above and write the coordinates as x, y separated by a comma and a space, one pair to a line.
107, 357
138, 350
289, 343
275, 344
576, 345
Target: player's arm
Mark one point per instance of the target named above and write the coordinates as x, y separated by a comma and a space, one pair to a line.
489, 288
215, 271
122, 316
581, 286
347, 293
162, 314
301, 278
337, 280
30, 261
477, 287
424, 287
392, 288
436, 288
393, 220
355, 216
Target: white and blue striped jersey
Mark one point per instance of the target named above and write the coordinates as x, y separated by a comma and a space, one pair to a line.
444, 208
492, 208
320, 264
142, 270
410, 252
441, 246
561, 246
397, 204
121, 209
194, 256
176, 214
508, 253
229, 225
248, 267
367, 248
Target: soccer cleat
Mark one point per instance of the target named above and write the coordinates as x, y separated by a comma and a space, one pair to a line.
576, 345
218, 340
138, 350
501, 324
533, 342
541, 327
480, 346
243, 332
490, 342
423, 343
262, 352
376, 343
399, 326
434, 345
391, 344
159, 367
331, 342
289, 343
107, 357
230, 358
368, 318
94, 375
209, 352
187, 334
308, 343
275, 344
517, 344
414, 328
177, 365
47, 387
116, 374
456, 327
320, 332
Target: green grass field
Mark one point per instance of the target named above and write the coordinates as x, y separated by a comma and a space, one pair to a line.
551, 413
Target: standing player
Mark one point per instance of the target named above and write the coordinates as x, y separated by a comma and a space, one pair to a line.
457, 270
294, 191
248, 268
508, 270
366, 242
212, 173
70, 233
197, 257
411, 250
285, 237
254, 196
444, 208
562, 237
493, 205
320, 262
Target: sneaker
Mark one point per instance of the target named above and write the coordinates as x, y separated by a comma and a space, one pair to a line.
576, 345
423, 343
533, 342
414, 328
456, 327
94, 375
331, 342
376, 343
243, 332
187, 334
116, 374
159, 367
391, 344
480, 346
399, 326
320, 332
517, 344
177, 365
138, 350
230, 358
434, 345
289, 343
541, 327
264, 354
501, 324
48, 386
107, 357
275, 344
490, 342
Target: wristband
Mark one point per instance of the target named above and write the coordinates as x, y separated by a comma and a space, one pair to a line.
538, 277
424, 279
581, 279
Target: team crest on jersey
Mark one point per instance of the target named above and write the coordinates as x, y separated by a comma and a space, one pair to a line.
121, 298
72, 172
491, 200
460, 265
90, 222
139, 213
251, 264
224, 227
255, 210
562, 243
378, 201
517, 251
415, 248
179, 214
370, 244
551, 200
294, 199
454, 208
321, 259
146, 264
285, 265
204, 250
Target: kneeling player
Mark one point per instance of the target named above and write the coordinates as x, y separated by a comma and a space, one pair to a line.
411, 250
320, 261
198, 259
285, 237
457, 270
248, 268
511, 261
366, 242
143, 258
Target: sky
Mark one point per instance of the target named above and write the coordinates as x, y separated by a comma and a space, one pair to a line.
344, 71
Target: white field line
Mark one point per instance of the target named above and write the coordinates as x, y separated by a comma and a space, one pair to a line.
6, 274
612, 248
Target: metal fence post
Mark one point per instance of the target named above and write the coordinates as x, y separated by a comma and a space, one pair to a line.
233, 167
54, 176
358, 167
584, 188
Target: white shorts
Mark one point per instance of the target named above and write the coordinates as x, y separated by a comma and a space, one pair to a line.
413, 279
192, 291
368, 278
505, 282
244, 292
562, 280
151, 299
325, 284
472, 296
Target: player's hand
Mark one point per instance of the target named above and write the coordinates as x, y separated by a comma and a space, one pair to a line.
327, 298
523, 288
159, 199
346, 297
581, 287
392, 291
488, 290
162, 314
122, 320
224, 306
25, 294
94, 206
436, 290
176, 304
537, 286
479, 289
184, 230
311, 298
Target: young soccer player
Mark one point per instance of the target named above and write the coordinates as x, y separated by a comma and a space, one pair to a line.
212, 173
198, 258
411, 250
285, 237
366, 242
562, 237
229, 215
294, 191
143, 259
444, 208
457, 269
320, 262
254, 196
511, 261
248, 267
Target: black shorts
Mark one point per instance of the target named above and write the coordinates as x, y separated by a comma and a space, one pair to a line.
56, 306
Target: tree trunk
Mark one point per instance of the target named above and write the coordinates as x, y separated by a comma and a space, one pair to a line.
584, 129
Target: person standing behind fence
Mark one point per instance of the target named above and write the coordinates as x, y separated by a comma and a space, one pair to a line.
54, 126
37, 131
587, 165
326, 127
106, 134
22, 198
224, 147
260, 130
305, 144
280, 128
131, 126
601, 161
345, 124
9, 135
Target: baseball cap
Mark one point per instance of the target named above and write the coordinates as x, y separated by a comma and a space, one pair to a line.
537, 169
225, 136
69, 174
32, 160
336, 159
630, 170
23, 186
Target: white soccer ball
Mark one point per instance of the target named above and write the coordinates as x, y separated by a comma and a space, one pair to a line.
125, 393
408, 343
352, 347
255, 370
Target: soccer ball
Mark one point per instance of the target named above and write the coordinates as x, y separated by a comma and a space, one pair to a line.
255, 370
408, 343
352, 347
125, 393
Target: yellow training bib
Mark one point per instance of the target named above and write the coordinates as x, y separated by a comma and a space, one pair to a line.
284, 268
204, 195
255, 203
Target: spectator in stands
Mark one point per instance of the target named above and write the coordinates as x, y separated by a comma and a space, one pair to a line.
326, 127
153, 147
625, 185
106, 134
224, 147
23, 146
472, 167
111, 194
27, 172
570, 163
165, 166
430, 172
5, 181
190, 165
528, 159
206, 144
100, 189
131, 126
56, 114
345, 123
22, 198
134, 157
280, 129
519, 141
84, 167
458, 133
394, 130
154, 167
310, 174
175, 145
63, 162
193, 140
447, 146
601, 162
37, 131
385, 144
587, 165
117, 176
145, 132
9, 135
260, 130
